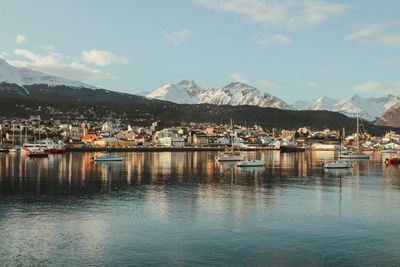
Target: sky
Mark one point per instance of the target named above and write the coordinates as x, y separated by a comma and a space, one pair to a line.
292, 49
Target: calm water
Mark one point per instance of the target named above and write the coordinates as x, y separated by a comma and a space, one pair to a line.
186, 209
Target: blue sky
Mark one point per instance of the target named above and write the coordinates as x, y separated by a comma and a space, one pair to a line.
294, 50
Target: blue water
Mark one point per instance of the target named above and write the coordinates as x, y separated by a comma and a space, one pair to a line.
185, 209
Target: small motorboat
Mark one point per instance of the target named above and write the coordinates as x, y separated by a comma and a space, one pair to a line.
251, 163
338, 164
107, 157
392, 161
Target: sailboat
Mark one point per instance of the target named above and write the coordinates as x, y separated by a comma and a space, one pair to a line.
357, 154
338, 164
230, 154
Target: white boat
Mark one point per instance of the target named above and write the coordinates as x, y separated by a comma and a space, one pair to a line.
33, 147
230, 154
339, 164
355, 154
251, 163
51, 146
107, 157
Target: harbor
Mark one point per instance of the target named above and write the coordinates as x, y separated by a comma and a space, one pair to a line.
189, 207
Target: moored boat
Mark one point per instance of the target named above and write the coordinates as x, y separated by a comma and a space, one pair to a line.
392, 161
251, 163
106, 156
339, 164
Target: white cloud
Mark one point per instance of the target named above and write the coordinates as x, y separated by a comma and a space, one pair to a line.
287, 13
376, 87
321, 72
314, 85
379, 31
178, 37
391, 62
267, 83
237, 77
102, 57
47, 47
20, 38
276, 38
52, 64
391, 39
364, 32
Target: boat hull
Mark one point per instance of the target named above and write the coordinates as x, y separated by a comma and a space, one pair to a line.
251, 163
113, 158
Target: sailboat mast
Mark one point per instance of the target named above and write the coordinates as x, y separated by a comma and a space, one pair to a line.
358, 128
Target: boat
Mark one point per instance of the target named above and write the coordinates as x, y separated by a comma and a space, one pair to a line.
52, 147
251, 163
33, 147
3, 149
338, 164
106, 156
288, 146
230, 154
392, 161
38, 154
355, 154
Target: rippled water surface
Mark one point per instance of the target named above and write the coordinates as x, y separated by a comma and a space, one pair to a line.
186, 209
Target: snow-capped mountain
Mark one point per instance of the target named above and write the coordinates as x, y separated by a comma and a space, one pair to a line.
368, 108
184, 92
391, 117
232, 94
24, 76
322, 103
26, 83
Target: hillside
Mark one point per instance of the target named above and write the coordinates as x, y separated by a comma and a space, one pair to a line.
144, 114
390, 117
26, 83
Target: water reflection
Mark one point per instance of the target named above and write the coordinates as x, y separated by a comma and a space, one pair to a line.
73, 173
192, 210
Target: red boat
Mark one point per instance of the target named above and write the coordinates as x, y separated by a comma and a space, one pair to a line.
392, 161
38, 154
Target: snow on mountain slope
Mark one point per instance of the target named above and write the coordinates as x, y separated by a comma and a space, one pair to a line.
368, 108
24, 76
322, 103
232, 94
302, 104
184, 92
391, 117
240, 94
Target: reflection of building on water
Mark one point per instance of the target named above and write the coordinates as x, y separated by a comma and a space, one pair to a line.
73, 172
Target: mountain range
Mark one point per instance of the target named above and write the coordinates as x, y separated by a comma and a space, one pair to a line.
26, 83
188, 92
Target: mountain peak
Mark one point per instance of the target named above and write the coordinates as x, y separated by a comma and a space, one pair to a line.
25, 76
236, 93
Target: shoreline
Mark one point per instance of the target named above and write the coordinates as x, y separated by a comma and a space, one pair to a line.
160, 149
